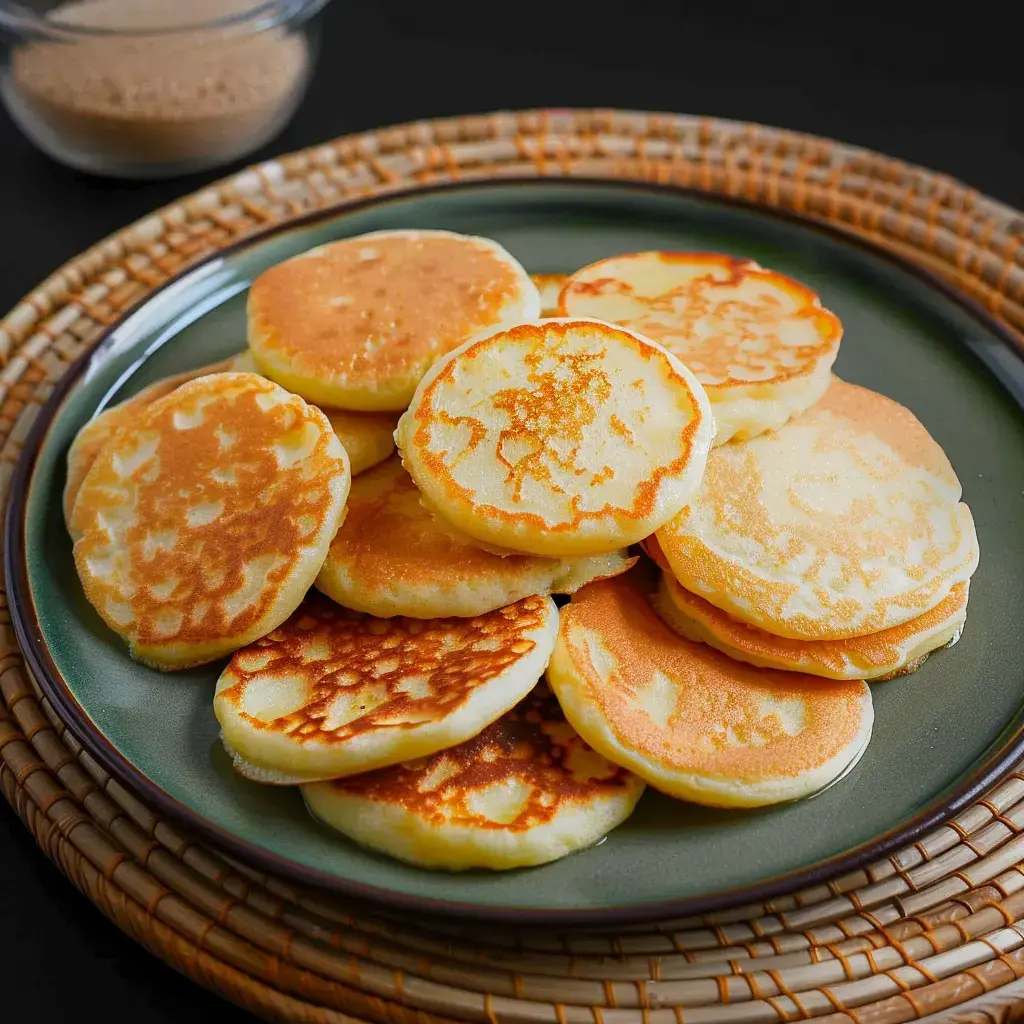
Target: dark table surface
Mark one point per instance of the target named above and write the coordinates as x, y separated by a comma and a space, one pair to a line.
946, 95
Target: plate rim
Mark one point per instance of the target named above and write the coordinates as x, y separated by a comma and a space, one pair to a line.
54, 687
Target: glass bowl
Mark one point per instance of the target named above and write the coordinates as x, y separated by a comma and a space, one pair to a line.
154, 88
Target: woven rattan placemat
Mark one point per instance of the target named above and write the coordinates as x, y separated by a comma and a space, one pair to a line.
930, 933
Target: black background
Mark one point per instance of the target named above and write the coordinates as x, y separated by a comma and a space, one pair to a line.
948, 94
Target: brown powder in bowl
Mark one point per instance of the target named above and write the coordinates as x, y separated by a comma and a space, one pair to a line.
145, 103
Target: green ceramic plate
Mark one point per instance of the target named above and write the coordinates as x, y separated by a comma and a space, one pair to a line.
941, 735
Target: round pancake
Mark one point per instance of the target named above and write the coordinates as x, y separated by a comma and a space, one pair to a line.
760, 343
368, 437
892, 652
549, 286
559, 437
526, 791
391, 557
333, 693
203, 522
355, 324
691, 721
89, 441
846, 521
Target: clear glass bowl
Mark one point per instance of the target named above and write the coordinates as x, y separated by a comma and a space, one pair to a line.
154, 88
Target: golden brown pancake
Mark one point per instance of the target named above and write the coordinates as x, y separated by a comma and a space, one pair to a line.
368, 437
355, 324
760, 343
333, 693
203, 522
391, 557
691, 721
896, 651
554, 438
526, 791
846, 521
549, 285
89, 441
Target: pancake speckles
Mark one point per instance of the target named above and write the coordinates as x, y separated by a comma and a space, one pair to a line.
524, 441
524, 791
377, 310
190, 547
760, 343
846, 521
365, 692
691, 721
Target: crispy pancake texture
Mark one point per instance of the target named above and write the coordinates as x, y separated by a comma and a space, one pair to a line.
760, 343
559, 437
356, 324
392, 557
896, 651
526, 791
90, 440
333, 693
846, 521
203, 522
691, 721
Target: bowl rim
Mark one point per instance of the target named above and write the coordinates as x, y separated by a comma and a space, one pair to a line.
27, 25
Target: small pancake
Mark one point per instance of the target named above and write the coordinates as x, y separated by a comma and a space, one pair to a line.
333, 693
526, 791
89, 441
203, 522
892, 652
560, 437
356, 324
760, 343
846, 521
368, 437
691, 721
392, 557
549, 286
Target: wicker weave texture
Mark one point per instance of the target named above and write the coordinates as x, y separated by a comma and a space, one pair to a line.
933, 932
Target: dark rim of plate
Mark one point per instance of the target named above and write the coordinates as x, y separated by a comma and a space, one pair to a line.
55, 688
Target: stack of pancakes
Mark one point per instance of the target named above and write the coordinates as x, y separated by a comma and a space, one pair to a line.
746, 539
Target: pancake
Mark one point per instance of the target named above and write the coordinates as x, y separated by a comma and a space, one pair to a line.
690, 721
892, 652
759, 342
549, 286
846, 521
355, 324
526, 791
89, 441
368, 437
559, 437
391, 557
203, 522
333, 693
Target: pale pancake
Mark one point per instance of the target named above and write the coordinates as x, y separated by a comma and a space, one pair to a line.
691, 721
392, 557
896, 651
560, 437
357, 323
368, 437
760, 343
333, 693
548, 287
846, 521
89, 441
203, 522
526, 791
